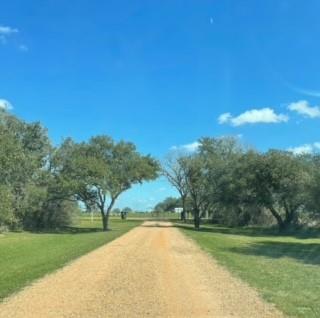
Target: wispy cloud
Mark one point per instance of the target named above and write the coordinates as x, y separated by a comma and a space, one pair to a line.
303, 108
6, 105
192, 147
301, 90
253, 116
23, 48
5, 32
305, 149
309, 92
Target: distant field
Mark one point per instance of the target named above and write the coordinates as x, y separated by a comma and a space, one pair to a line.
139, 215
285, 269
27, 256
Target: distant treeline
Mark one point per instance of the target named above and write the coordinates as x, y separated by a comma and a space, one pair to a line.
41, 185
235, 186
169, 204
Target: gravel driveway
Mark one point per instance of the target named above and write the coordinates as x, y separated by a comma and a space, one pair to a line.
152, 271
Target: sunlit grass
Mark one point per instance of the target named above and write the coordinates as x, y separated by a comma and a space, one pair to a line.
26, 256
285, 269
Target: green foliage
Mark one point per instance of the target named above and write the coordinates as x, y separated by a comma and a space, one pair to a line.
40, 185
283, 181
236, 186
206, 171
168, 205
314, 187
97, 172
25, 177
276, 181
23, 157
43, 213
7, 217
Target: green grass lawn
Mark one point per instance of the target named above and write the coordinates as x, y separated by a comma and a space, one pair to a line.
141, 215
285, 269
26, 256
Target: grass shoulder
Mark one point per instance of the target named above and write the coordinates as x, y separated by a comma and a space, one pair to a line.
285, 269
26, 256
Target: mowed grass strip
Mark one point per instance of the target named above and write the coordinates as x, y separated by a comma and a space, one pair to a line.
26, 256
284, 269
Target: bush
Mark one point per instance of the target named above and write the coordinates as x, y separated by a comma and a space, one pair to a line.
44, 212
60, 214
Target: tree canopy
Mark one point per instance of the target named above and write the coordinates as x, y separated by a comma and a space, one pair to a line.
239, 186
40, 184
98, 171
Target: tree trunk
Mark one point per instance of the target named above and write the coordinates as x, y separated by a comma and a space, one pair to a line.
106, 217
277, 216
197, 219
104, 220
183, 213
289, 219
290, 215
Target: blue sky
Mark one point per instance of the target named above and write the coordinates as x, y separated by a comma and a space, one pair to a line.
164, 73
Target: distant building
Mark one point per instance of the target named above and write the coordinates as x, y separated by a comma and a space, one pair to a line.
178, 210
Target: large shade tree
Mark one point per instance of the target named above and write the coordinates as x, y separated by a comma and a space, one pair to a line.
279, 182
23, 158
98, 171
198, 175
218, 155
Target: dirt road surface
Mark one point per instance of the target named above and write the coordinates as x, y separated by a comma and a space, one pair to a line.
152, 271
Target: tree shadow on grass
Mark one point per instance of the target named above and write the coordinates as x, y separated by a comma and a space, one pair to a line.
76, 229
302, 252
253, 231
69, 230
218, 229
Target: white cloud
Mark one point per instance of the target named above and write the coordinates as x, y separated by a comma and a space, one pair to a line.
4, 104
224, 118
6, 31
305, 149
302, 107
192, 147
253, 116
